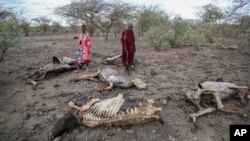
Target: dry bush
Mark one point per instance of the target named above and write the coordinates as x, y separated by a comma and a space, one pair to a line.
10, 32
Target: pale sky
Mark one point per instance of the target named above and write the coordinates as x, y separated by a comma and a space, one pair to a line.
184, 8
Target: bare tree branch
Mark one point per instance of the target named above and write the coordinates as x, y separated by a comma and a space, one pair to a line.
99, 13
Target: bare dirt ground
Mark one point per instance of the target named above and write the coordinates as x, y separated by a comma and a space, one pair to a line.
27, 114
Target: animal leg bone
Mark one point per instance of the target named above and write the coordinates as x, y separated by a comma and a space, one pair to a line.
110, 86
41, 77
32, 74
34, 84
107, 87
194, 116
84, 107
197, 104
228, 110
218, 100
84, 77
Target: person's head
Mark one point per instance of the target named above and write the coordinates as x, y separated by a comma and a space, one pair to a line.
130, 26
83, 28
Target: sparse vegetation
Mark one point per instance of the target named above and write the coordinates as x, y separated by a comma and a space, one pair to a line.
10, 32
208, 47
156, 36
247, 36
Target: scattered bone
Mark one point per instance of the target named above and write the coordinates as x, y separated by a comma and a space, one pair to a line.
152, 101
33, 83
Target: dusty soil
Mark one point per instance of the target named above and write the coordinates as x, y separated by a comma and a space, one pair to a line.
27, 114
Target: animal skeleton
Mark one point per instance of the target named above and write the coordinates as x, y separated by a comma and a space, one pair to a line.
52, 68
109, 76
107, 112
219, 90
98, 112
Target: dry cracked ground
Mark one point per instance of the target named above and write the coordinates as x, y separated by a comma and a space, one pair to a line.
27, 114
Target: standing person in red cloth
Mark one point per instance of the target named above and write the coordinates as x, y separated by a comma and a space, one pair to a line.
83, 56
128, 47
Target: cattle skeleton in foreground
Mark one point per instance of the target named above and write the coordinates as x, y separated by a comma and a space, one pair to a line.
112, 78
98, 112
55, 67
220, 91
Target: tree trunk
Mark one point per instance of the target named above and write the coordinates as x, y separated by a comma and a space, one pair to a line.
106, 37
115, 33
26, 33
142, 30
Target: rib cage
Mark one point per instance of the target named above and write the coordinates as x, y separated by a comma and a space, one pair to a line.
108, 107
108, 112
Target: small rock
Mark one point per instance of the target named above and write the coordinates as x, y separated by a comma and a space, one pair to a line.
26, 116
19, 127
41, 87
154, 131
13, 111
149, 93
194, 139
22, 139
111, 133
131, 99
1, 120
152, 72
59, 138
171, 138
32, 127
49, 118
130, 132
163, 101
56, 85
81, 129
31, 105
118, 129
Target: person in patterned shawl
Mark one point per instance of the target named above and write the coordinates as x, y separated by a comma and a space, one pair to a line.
83, 56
